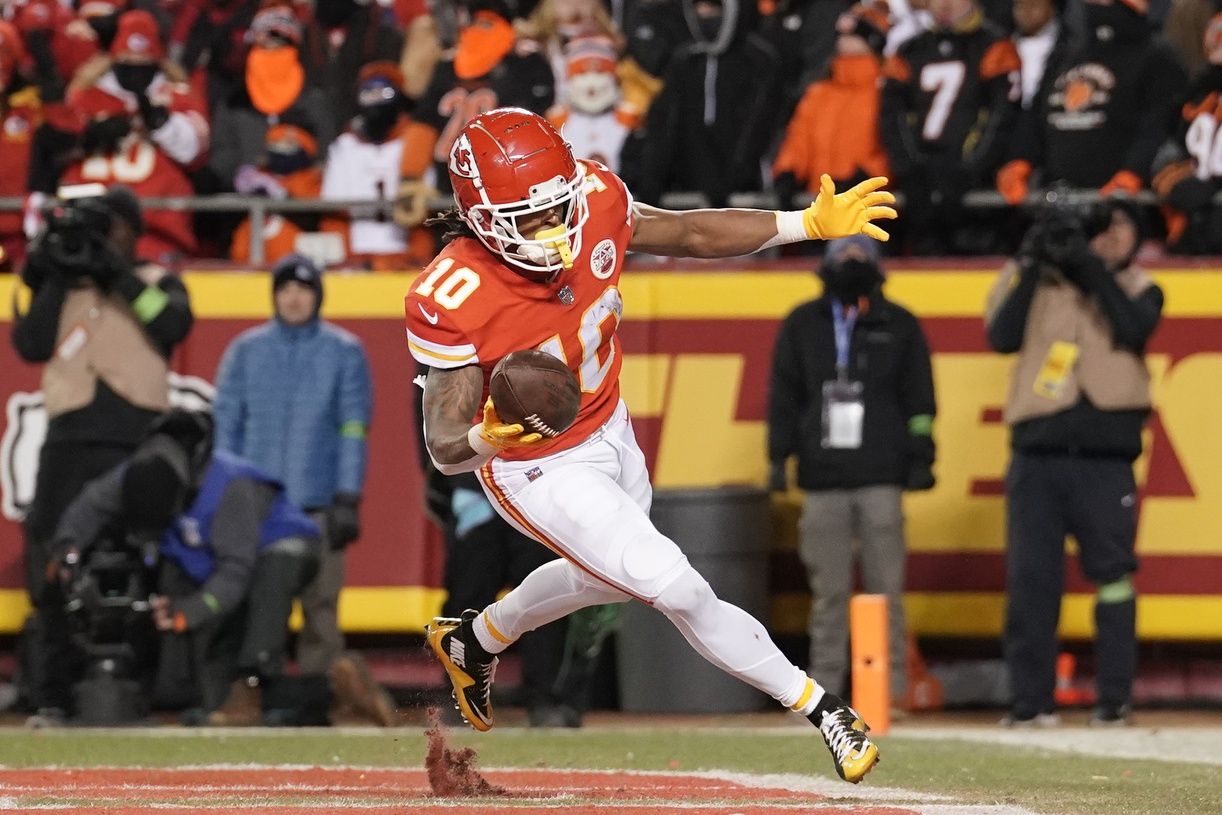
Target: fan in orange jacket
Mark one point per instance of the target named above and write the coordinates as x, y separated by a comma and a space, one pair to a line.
289, 169
834, 129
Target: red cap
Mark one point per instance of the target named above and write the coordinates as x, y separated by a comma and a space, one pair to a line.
138, 39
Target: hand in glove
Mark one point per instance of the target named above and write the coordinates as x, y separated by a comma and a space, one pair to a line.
852, 212
250, 180
492, 435
1125, 182
1014, 181
153, 116
920, 477
103, 134
1031, 249
343, 520
412, 205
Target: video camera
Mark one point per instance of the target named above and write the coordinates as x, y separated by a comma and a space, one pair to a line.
107, 604
75, 243
1065, 219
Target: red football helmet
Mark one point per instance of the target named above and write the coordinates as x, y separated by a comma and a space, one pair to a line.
509, 163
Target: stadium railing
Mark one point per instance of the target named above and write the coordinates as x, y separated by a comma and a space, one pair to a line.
260, 208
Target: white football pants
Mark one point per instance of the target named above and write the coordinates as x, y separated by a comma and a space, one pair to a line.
590, 504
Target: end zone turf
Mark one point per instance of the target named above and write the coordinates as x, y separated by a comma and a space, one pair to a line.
297, 790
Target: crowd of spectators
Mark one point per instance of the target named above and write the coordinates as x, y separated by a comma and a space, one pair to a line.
360, 99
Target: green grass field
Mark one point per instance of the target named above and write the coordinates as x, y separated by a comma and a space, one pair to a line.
1037, 779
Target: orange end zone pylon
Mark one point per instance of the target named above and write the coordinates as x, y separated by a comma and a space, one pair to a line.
871, 664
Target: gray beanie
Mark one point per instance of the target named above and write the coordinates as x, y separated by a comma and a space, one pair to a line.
867, 244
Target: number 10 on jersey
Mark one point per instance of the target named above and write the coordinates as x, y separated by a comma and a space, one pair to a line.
449, 287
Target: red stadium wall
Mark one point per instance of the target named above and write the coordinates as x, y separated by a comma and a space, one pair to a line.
697, 356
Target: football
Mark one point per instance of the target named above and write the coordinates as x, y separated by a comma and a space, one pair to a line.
534, 389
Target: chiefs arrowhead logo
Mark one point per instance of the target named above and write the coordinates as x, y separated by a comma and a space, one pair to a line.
462, 160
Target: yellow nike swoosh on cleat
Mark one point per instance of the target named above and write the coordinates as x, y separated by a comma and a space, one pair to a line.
856, 768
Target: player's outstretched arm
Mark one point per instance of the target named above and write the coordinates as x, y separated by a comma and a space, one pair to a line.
719, 233
451, 398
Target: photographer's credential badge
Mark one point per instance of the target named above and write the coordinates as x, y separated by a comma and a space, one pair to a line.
1054, 373
844, 406
844, 412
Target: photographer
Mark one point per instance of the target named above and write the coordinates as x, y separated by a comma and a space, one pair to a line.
104, 325
1078, 314
234, 553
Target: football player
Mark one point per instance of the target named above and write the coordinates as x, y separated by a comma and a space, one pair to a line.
539, 240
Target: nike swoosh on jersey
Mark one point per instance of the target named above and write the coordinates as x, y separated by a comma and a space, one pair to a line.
432, 318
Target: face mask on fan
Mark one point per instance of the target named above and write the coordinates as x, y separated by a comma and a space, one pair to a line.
850, 279
378, 121
134, 78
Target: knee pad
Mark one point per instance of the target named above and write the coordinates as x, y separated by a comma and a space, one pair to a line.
643, 560
1118, 591
685, 595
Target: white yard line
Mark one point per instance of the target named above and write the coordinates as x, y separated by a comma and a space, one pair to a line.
842, 794
1179, 744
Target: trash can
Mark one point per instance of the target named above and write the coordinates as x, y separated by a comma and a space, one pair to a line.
726, 535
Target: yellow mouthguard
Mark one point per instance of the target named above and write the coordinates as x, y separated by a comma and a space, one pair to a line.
561, 246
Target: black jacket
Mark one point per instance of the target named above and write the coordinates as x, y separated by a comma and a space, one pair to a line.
1102, 107
926, 131
335, 68
710, 126
890, 356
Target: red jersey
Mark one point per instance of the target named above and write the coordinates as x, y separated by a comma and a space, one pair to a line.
184, 136
469, 308
149, 174
17, 126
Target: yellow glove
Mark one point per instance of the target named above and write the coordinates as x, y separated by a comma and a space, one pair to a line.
849, 213
494, 435
412, 204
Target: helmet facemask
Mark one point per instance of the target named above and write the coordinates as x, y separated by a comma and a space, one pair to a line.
549, 251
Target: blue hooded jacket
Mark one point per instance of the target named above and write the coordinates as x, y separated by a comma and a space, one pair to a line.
296, 402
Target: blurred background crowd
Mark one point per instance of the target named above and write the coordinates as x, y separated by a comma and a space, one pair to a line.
971, 107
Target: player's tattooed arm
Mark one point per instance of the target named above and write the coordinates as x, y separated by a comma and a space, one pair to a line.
700, 233
451, 399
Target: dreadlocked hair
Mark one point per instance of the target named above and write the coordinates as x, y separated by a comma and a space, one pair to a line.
451, 225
